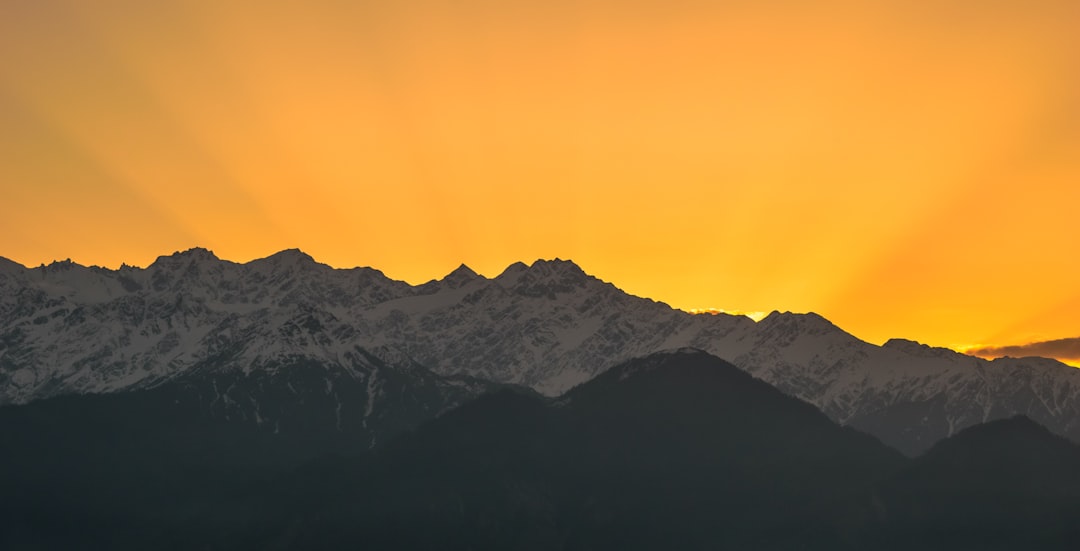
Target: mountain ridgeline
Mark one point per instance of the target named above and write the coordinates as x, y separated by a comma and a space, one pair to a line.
677, 449
191, 318
283, 404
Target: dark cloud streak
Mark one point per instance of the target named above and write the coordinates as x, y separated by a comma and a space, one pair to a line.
1059, 348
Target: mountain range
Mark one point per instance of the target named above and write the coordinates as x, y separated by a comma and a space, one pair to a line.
677, 449
254, 340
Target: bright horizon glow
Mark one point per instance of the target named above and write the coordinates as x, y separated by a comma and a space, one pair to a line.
970, 349
756, 316
905, 168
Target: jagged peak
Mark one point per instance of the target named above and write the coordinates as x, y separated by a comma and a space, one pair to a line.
788, 314
907, 345
194, 255
897, 342
812, 319
544, 278
809, 323
373, 272
556, 266
462, 275
463, 271
57, 266
542, 271
60, 264
915, 347
289, 256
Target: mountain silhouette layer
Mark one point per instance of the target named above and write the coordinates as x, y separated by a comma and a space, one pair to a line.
67, 329
678, 449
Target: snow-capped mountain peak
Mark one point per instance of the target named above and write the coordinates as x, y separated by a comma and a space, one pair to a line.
549, 326
808, 322
510, 275
547, 278
198, 255
557, 269
915, 348
289, 257
462, 275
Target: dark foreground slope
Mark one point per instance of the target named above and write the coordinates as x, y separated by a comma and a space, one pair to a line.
677, 450
123, 469
1008, 484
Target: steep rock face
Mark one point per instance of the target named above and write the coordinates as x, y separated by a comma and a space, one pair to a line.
66, 328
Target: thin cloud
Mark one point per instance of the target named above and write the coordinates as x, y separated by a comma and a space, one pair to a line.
1061, 349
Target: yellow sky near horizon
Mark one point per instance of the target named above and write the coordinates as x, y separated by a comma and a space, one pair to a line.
903, 167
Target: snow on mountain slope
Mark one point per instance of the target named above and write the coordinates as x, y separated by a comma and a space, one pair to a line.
66, 328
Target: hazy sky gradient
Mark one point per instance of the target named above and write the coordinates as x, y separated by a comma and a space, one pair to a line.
904, 167
1068, 349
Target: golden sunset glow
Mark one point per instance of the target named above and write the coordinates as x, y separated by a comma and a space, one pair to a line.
903, 167
756, 316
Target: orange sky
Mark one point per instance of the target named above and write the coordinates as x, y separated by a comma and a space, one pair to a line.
904, 167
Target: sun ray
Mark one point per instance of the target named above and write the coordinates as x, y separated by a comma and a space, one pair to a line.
897, 168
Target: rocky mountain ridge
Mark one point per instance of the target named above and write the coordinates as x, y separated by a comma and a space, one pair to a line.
70, 329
